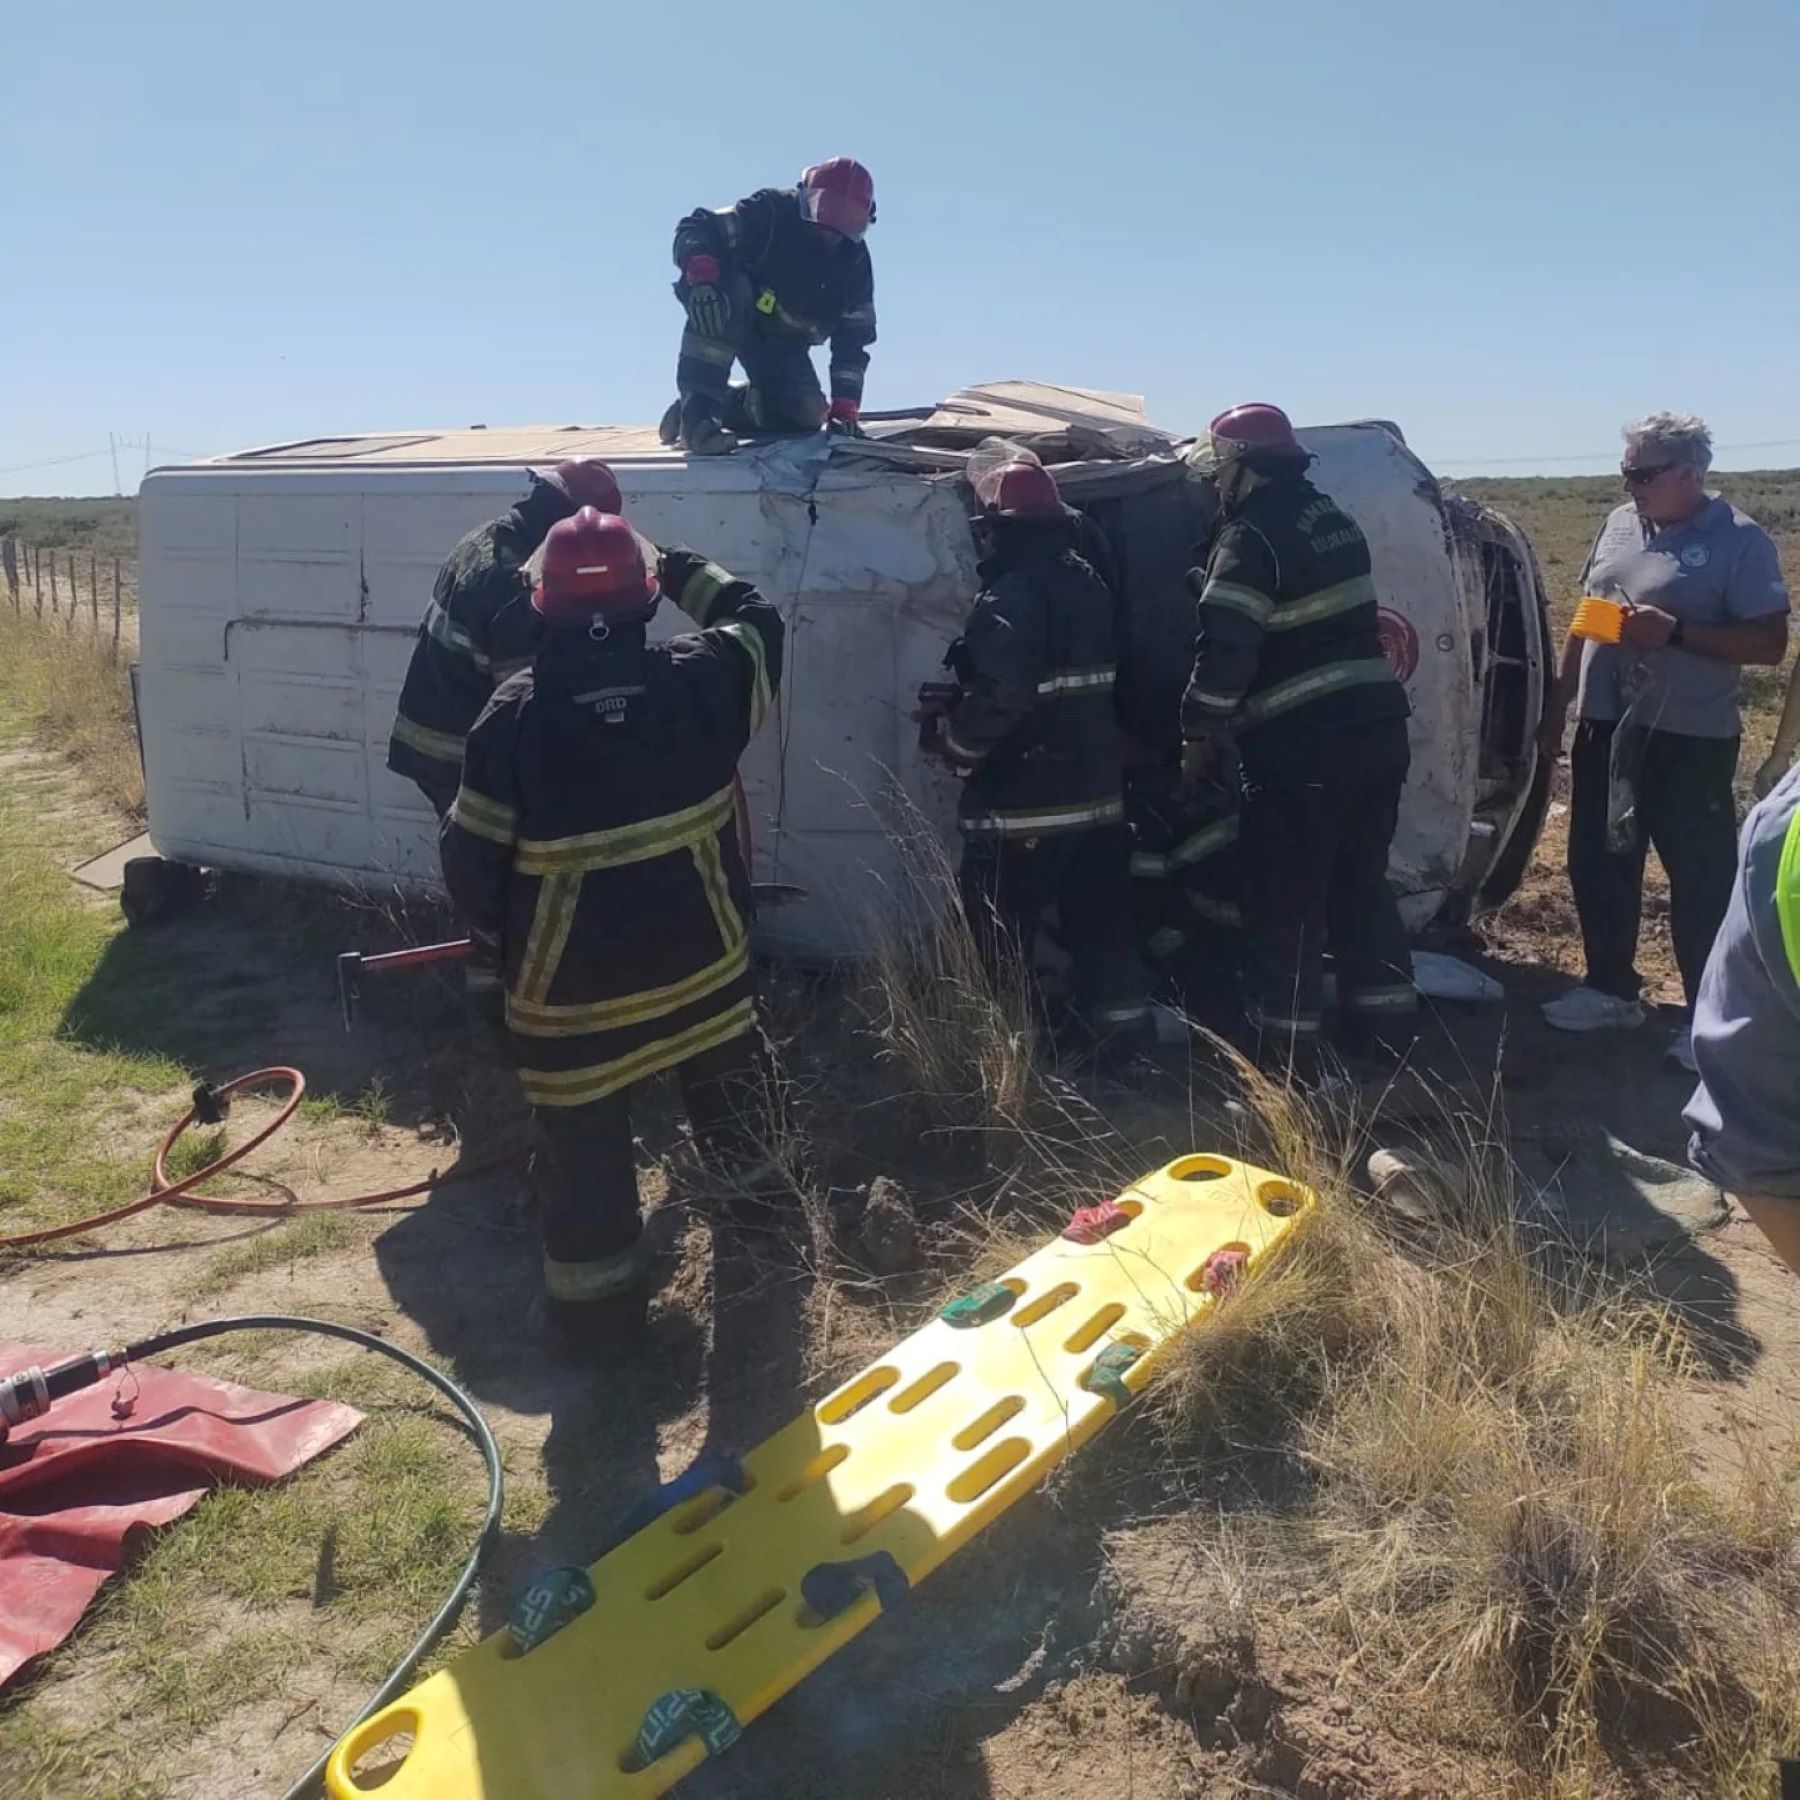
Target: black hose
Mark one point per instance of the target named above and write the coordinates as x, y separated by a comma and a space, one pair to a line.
311, 1782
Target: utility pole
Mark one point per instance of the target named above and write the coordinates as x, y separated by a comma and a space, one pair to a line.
112, 443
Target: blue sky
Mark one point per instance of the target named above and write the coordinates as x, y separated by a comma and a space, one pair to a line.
1507, 227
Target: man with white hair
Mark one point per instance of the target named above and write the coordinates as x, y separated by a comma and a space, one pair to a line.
1657, 725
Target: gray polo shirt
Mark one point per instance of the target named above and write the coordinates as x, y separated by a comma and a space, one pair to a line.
1746, 1110
1720, 567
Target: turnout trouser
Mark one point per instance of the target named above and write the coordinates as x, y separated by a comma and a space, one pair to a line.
584, 1165
1314, 856
783, 392
1685, 809
1007, 883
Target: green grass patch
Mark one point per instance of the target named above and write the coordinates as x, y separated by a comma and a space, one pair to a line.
57, 1093
369, 1109
312, 1234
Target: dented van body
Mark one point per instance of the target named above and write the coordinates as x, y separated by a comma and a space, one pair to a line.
282, 588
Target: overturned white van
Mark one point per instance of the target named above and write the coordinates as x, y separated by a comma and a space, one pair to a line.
281, 589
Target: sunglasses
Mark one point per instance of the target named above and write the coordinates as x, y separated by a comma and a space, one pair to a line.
1644, 474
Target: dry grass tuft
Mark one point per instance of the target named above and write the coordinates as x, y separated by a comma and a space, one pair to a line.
78, 698
1488, 1505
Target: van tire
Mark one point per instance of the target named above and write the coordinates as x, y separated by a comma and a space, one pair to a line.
1508, 869
154, 889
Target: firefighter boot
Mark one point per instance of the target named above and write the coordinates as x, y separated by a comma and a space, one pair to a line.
597, 1311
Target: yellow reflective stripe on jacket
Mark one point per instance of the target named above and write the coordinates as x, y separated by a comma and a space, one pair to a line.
1787, 893
751, 640
710, 867
1284, 696
445, 631
538, 1018
1245, 600
1033, 822
549, 934
700, 592
440, 746
1080, 681
486, 818
624, 843
576, 1087
1327, 603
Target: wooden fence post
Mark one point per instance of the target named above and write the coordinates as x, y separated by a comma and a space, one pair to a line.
117, 602
74, 594
37, 578
94, 590
9, 549
55, 598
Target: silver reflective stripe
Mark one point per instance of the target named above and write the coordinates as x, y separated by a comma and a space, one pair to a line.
1164, 941
444, 630
707, 349
600, 1279
1203, 843
1240, 599
1300, 1024
1080, 681
1216, 912
957, 748
1031, 824
1223, 703
1119, 1015
1148, 866
1284, 696
1327, 603
1385, 999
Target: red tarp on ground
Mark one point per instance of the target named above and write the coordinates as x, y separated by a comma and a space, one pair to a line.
75, 1482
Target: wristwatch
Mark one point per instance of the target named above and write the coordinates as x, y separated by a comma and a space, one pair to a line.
1677, 632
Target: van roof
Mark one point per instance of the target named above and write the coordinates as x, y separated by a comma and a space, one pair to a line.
1090, 422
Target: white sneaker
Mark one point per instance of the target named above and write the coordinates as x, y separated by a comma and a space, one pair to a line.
1681, 1049
1587, 1009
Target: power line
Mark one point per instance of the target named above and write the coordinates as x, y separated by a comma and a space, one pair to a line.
54, 462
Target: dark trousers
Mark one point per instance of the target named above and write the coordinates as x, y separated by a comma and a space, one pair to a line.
1007, 884
1314, 855
1685, 809
584, 1165
783, 393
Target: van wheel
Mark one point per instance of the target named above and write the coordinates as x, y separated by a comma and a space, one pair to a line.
155, 889
1509, 866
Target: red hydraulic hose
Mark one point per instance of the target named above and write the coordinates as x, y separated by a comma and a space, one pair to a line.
180, 1193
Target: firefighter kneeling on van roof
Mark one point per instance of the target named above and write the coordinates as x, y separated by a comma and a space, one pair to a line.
1032, 730
595, 832
480, 627
761, 283
1289, 683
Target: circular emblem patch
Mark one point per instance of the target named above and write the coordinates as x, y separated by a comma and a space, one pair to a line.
1399, 642
1695, 556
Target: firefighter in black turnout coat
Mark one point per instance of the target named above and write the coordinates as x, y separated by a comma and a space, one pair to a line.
480, 626
595, 832
1290, 684
762, 282
1031, 729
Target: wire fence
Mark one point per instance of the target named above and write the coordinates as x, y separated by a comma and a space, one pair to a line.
78, 587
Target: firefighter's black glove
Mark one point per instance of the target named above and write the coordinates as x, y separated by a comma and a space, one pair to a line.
707, 311
841, 419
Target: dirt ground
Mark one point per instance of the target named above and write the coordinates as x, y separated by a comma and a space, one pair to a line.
1053, 1658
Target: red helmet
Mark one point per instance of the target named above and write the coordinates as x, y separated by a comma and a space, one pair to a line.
839, 193
1250, 430
1020, 489
588, 482
593, 568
